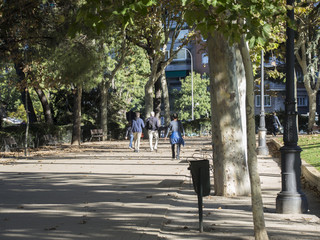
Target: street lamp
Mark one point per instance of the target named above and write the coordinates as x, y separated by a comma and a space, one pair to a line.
192, 104
262, 148
291, 199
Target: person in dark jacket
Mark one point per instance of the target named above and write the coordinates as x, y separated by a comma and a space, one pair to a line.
177, 135
152, 124
275, 124
137, 126
129, 134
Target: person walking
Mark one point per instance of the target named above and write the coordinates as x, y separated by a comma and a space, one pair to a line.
129, 134
152, 124
275, 124
176, 138
137, 126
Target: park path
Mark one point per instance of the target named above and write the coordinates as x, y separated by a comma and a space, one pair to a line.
106, 191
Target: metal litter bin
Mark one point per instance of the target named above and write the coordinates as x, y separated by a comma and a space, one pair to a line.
201, 182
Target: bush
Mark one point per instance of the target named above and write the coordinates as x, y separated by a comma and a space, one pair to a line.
302, 121
197, 127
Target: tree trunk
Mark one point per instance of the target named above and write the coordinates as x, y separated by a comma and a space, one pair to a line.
260, 231
157, 98
241, 77
310, 84
230, 167
312, 110
76, 131
165, 95
148, 98
28, 104
104, 108
45, 105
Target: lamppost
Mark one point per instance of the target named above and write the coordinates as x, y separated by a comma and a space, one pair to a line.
192, 104
262, 148
291, 199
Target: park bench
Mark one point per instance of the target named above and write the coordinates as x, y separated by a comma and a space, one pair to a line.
96, 133
10, 145
49, 140
315, 129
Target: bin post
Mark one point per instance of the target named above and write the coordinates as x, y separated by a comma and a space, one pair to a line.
200, 204
201, 181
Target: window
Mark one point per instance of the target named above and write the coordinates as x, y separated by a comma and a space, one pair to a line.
166, 54
302, 101
182, 34
182, 54
267, 101
205, 58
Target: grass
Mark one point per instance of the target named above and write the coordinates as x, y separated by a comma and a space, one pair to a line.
310, 145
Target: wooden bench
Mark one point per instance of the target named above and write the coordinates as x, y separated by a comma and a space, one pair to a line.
315, 129
10, 144
96, 133
50, 140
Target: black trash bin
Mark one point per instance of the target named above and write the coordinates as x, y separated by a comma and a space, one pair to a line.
200, 176
201, 182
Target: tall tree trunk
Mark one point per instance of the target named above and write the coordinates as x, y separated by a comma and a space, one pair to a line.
260, 231
28, 104
45, 105
230, 167
165, 95
104, 108
148, 98
241, 77
312, 109
312, 86
157, 98
76, 131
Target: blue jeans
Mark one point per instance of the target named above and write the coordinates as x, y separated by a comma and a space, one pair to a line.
131, 140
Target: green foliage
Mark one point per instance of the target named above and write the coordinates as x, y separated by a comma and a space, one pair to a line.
128, 90
201, 96
255, 19
198, 127
75, 61
9, 94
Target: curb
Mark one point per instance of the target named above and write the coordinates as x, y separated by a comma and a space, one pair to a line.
310, 174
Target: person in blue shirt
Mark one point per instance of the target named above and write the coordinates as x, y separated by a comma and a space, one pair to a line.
137, 126
177, 135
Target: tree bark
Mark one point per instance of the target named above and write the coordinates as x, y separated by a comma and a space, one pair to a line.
260, 231
148, 98
104, 108
241, 77
229, 157
76, 131
165, 95
29, 105
157, 98
45, 105
310, 84
312, 109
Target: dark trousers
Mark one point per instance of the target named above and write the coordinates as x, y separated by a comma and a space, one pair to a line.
275, 129
173, 150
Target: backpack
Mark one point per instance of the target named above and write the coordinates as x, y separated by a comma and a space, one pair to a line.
149, 124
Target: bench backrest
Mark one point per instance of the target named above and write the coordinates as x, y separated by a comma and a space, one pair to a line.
10, 141
96, 131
